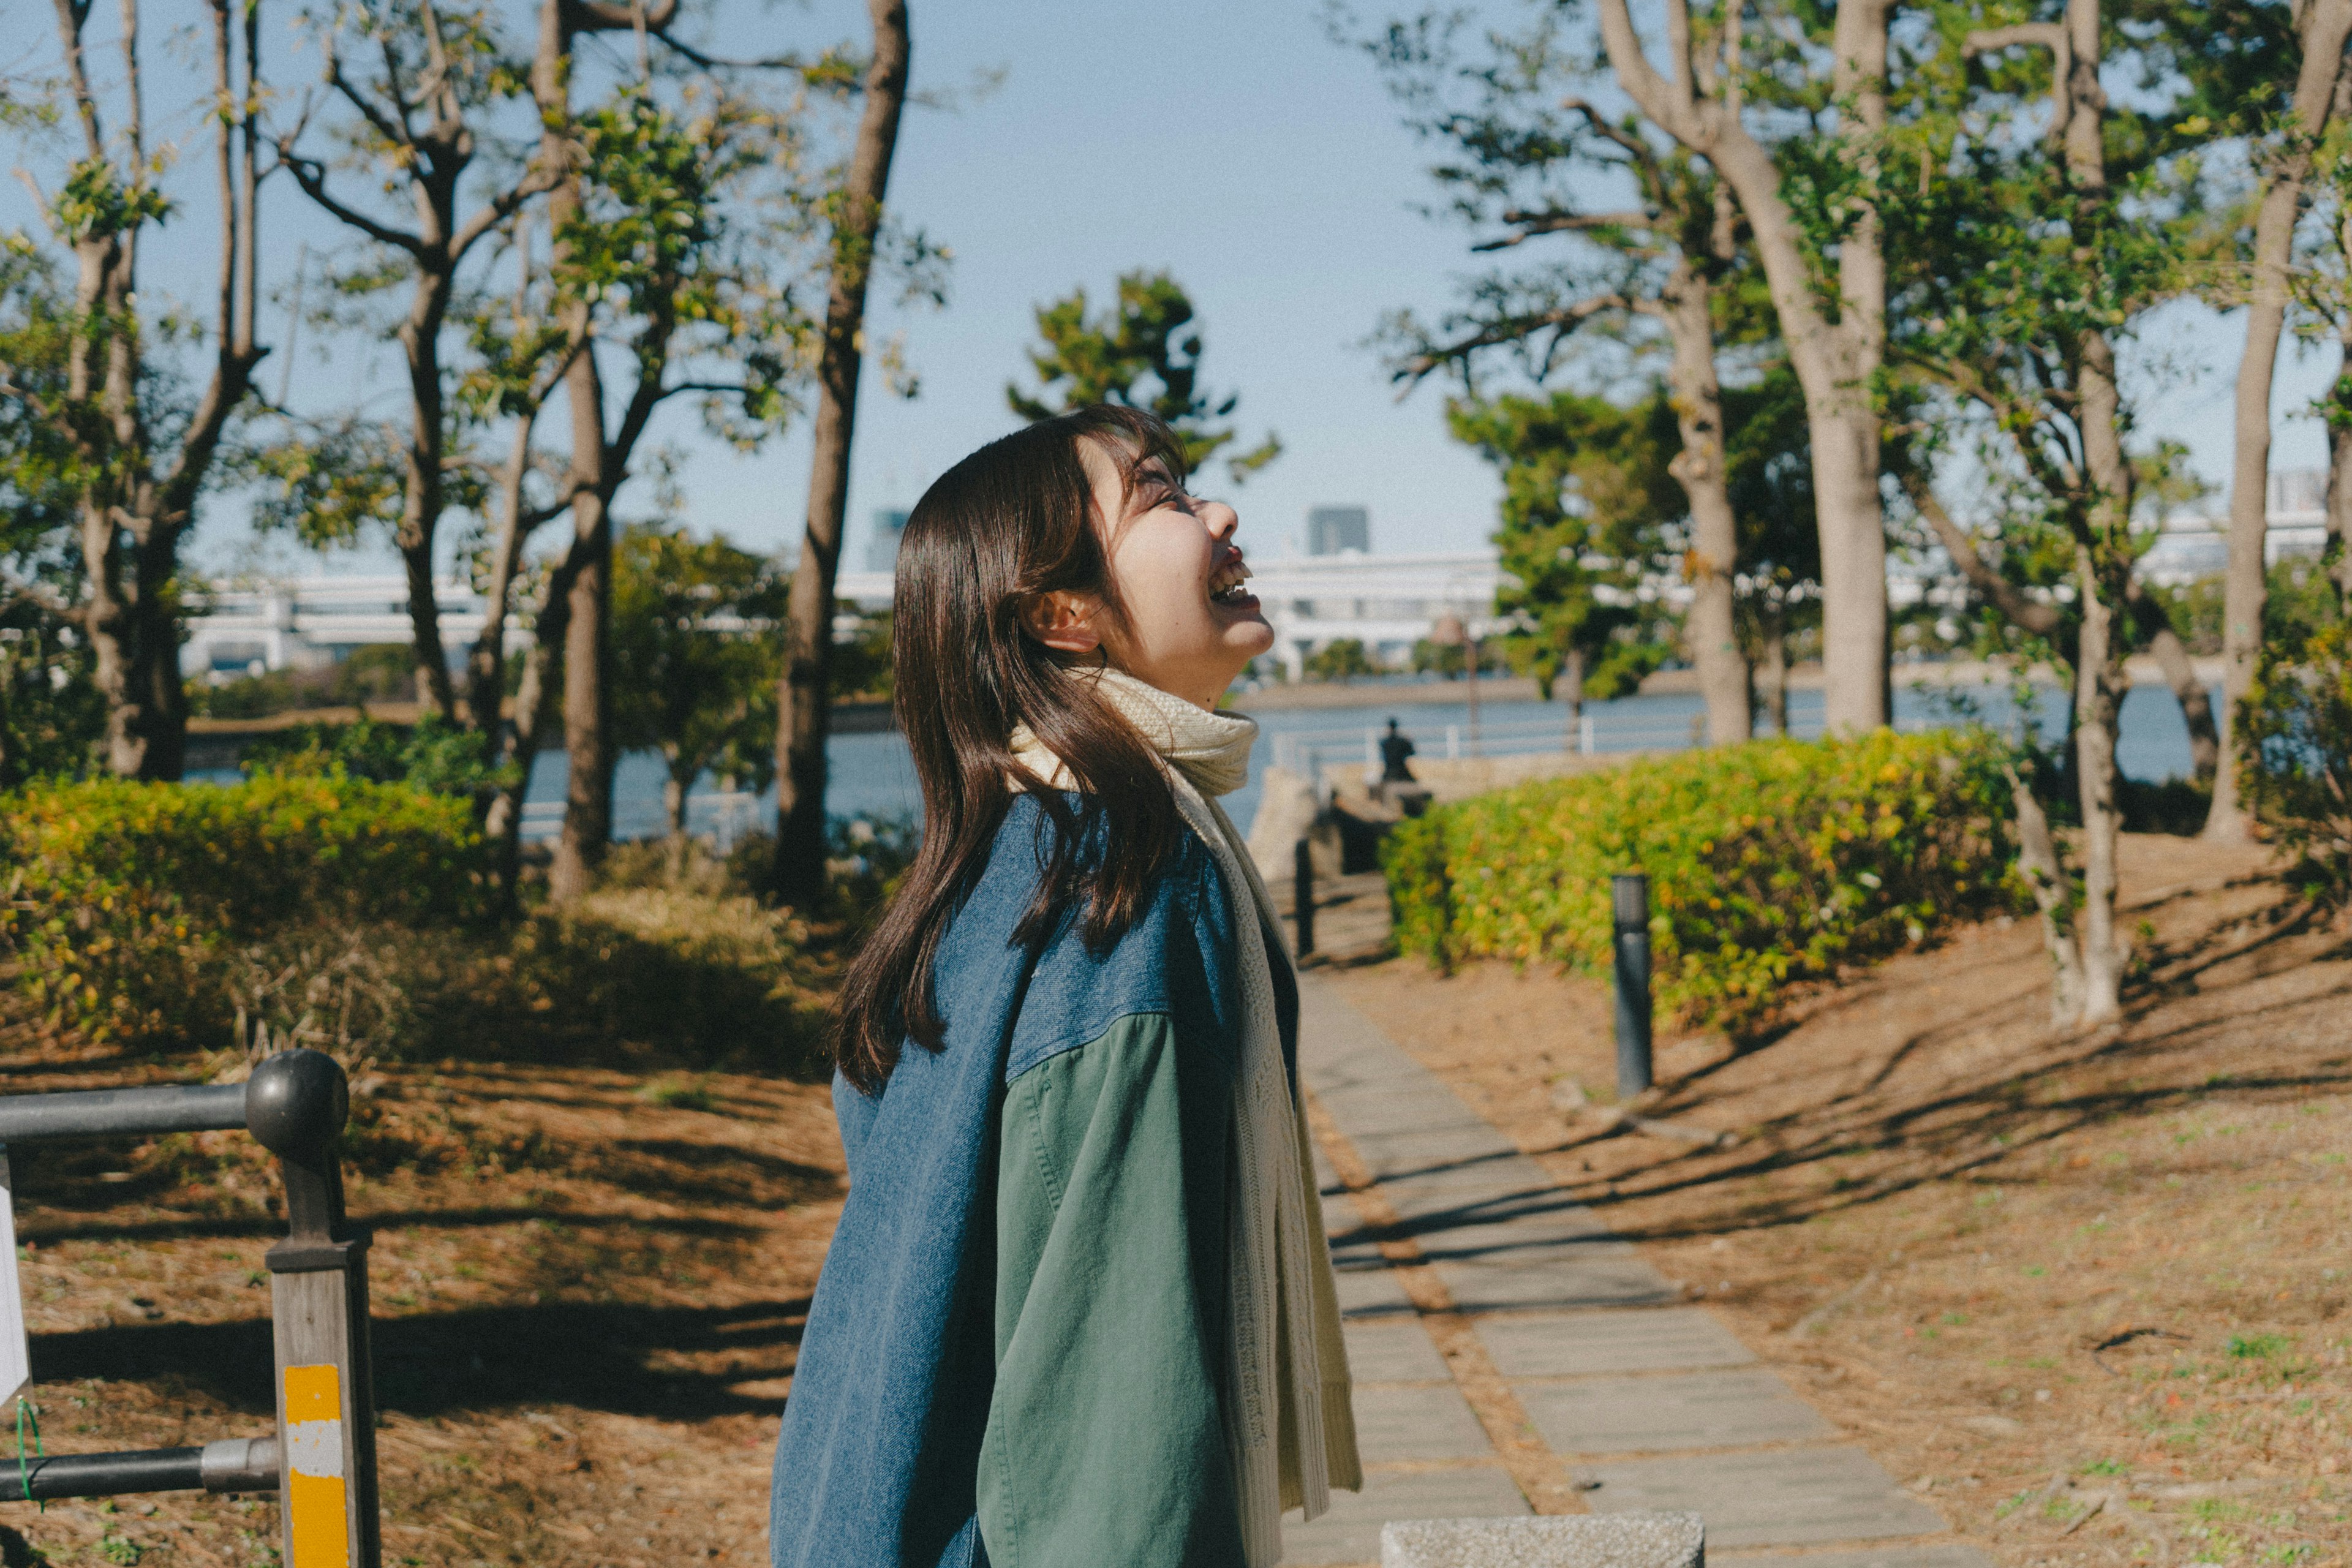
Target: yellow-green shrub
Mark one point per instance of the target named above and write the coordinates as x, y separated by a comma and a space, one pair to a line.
1767, 862
121, 896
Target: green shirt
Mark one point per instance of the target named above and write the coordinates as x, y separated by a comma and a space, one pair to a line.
1106, 1440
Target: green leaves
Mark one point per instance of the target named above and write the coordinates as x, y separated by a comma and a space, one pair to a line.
124, 893
2295, 728
1769, 862
97, 202
1143, 351
694, 664
1587, 492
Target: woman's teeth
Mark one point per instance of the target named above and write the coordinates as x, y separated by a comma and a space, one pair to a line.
1226, 587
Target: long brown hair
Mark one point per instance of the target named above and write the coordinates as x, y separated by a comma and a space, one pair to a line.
1014, 521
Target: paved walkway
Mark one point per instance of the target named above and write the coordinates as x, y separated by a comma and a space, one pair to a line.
1460, 1267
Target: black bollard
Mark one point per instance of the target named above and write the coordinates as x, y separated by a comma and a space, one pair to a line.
1630, 901
1302, 894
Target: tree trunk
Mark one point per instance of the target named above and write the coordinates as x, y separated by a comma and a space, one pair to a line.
1571, 692
534, 711
423, 486
2340, 497
2324, 27
1837, 361
587, 682
1773, 668
2038, 864
585, 588
674, 798
2098, 702
1711, 629
133, 516
804, 695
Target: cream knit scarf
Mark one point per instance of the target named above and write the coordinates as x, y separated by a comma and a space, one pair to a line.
1292, 1432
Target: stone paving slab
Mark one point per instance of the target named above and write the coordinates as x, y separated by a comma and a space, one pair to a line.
1371, 1292
1417, 1421
1694, 1410
1785, 1497
1880, 1557
1623, 1279
1350, 1533
1515, 1244
1586, 1345
1394, 1353
1566, 1311
1441, 1207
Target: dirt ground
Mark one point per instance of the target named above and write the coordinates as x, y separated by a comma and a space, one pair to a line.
2036, 1274
2088, 1292
588, 1290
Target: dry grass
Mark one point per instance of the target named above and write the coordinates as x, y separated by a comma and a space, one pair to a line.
2040, 1275
589, 1282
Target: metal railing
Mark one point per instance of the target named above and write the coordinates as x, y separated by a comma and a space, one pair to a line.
322, 1458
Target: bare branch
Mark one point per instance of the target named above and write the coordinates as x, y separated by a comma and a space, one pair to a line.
1511, 330
41, 204
2026, 613
798, 64
393, 131
1670, 106
1608, 131
72, 14
539, 178
308, 175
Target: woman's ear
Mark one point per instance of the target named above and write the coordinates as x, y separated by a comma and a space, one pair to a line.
1064, 621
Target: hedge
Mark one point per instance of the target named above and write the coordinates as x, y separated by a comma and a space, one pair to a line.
1767, 862
120, 894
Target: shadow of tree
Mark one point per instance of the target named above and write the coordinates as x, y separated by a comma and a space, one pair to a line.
671, 1363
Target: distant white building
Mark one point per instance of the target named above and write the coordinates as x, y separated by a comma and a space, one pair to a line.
1340, 530
1387, 602
882, 543
306, 622
2190, 545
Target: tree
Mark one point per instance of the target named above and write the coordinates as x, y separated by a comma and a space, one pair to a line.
1342, 658
415, 78
694, 662
2284, 161
1588, 492
2029, 257
1667, 263
51, 719
1143, 351
1817, 230
804, 696
1769, 480
139, 460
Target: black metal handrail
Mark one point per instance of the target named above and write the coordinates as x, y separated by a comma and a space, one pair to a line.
294, 1104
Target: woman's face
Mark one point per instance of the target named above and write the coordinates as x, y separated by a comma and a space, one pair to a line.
1190, 626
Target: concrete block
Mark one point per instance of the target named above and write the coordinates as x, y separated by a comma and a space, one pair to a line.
1618, 1541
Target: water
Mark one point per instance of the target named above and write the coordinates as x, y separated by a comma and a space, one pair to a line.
873, 776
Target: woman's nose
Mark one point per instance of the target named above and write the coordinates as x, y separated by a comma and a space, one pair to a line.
1223, 521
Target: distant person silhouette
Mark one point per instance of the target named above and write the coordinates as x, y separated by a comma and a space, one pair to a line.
1395, 747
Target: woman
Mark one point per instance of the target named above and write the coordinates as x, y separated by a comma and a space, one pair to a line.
1078, 1312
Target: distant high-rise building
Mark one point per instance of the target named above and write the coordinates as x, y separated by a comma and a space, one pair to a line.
882, 545
1331, 529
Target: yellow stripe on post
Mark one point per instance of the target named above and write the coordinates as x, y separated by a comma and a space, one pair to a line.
318, 1512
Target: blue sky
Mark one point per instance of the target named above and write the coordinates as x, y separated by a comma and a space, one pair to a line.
1230, 142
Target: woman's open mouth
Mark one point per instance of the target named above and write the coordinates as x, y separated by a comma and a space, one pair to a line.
1226, 589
